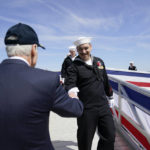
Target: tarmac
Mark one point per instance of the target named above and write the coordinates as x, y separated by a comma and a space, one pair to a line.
63, 135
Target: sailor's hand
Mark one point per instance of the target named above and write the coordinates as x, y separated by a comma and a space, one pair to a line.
111, 101
73, 95
110, 98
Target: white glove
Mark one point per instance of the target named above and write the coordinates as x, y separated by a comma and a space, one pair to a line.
111, 102
73, 95
74, 90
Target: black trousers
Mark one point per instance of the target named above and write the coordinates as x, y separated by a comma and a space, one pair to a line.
92, 119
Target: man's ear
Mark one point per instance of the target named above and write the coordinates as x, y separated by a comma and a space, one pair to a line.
34, 55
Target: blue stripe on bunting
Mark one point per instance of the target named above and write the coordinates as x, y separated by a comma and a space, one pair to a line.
137, 74
114, 85
138, 98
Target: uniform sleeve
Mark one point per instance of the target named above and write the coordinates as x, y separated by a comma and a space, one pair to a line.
65, 106
71, 80
107, 86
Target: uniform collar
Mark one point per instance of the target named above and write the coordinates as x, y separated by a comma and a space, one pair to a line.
79, 59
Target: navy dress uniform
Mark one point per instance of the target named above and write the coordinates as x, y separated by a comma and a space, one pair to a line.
92, 83
67, 62
27, 97
132, 67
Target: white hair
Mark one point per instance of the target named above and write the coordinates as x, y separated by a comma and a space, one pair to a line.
18, 50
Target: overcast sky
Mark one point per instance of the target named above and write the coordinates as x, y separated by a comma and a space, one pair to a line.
120, 29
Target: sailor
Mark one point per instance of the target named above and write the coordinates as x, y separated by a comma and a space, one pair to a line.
87, 77
67, 62
132, 67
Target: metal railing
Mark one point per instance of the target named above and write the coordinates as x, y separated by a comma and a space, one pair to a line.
131, 115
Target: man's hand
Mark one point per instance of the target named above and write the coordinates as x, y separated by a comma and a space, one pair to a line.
73, 95
73, 92
62, 80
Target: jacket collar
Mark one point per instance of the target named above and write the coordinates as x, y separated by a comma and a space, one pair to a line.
14, 61
20, 58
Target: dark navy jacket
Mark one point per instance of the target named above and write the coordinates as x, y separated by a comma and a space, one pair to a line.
27, 95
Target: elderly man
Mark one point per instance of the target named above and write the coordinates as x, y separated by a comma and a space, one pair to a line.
68, 61
87, 77
29, 94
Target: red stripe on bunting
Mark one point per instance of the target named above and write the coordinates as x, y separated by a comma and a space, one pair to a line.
142, 84
117, 112
111, 111
137, 134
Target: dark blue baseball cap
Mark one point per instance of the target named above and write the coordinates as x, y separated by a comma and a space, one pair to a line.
22, 34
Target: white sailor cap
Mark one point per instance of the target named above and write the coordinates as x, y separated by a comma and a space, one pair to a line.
73, 48
131, 62
82, 40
